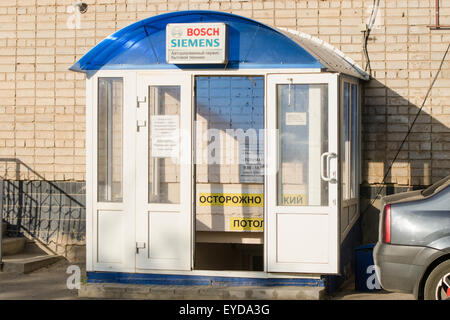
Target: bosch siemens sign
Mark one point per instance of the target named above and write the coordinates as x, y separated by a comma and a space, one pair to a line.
196, 43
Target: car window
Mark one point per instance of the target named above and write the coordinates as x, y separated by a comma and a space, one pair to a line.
431, 189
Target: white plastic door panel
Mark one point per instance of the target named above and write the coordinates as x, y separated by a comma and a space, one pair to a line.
163, 172
301, 174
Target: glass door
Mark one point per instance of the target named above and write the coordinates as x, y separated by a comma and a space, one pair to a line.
163, 171
229, 172
301, 174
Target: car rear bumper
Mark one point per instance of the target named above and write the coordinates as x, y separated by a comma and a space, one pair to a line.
400, 268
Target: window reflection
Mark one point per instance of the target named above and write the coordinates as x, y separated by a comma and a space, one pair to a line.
164, 144
303, 137
109, 139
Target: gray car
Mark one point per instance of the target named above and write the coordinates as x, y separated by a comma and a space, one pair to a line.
412, 254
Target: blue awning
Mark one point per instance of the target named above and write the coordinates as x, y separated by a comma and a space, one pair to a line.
142, 45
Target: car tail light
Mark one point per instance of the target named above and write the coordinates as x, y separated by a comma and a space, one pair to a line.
387, 224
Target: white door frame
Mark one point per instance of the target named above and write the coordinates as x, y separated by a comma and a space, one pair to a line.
163, 231
347, 222
101, 255
127, 209
273, 211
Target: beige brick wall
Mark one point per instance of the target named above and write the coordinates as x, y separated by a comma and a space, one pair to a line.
42, 104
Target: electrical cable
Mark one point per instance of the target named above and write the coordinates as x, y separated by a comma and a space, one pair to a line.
366, 53
409, 130
369, 26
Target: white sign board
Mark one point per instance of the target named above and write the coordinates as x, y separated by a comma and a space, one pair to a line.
296, 118
164, 133
196, 43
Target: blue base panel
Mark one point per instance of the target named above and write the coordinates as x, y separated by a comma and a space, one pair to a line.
194, 280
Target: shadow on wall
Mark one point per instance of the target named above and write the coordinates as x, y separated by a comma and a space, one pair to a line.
51, 213
423, 159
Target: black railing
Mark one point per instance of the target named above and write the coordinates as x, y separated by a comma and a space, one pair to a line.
50, 212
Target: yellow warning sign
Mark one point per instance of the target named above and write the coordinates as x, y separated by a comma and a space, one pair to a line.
294, 200
231, 199
246, 224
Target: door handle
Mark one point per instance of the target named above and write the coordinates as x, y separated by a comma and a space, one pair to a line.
327, 156
139, 245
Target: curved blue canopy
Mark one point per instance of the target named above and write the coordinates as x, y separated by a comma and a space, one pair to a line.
142, 45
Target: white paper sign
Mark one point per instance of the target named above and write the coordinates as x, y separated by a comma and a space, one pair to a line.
296, 118
164, 136
251, 168
195, 43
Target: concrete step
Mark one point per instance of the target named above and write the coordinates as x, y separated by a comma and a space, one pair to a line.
32, 248
21, 255
11, 246
155, 292
28, 262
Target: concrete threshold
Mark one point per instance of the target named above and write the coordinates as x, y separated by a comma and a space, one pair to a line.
159, 292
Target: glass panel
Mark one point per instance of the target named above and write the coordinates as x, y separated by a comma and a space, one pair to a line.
164, 144
109, 143
346, 142
230, 114
303, 137
354, 151
229, 152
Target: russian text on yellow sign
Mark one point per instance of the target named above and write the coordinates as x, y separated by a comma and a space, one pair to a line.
246, 224
231, 199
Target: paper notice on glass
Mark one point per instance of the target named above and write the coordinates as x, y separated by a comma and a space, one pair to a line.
296, 118
251, 168
164, 136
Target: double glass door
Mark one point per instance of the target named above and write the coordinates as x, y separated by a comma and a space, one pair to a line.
300, 173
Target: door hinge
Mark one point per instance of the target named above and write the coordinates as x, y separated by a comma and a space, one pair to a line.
139, 101
139, 245
140, 123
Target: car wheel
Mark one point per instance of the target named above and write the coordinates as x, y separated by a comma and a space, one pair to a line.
437, 286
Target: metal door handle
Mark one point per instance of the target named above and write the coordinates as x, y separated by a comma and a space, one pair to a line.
140, 245
328, 156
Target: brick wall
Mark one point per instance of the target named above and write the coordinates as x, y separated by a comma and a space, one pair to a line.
42, 105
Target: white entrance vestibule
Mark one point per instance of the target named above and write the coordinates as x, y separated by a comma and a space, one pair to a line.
144, 179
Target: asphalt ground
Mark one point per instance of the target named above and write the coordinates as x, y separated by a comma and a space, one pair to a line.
50, 283
347, 292
44, 284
